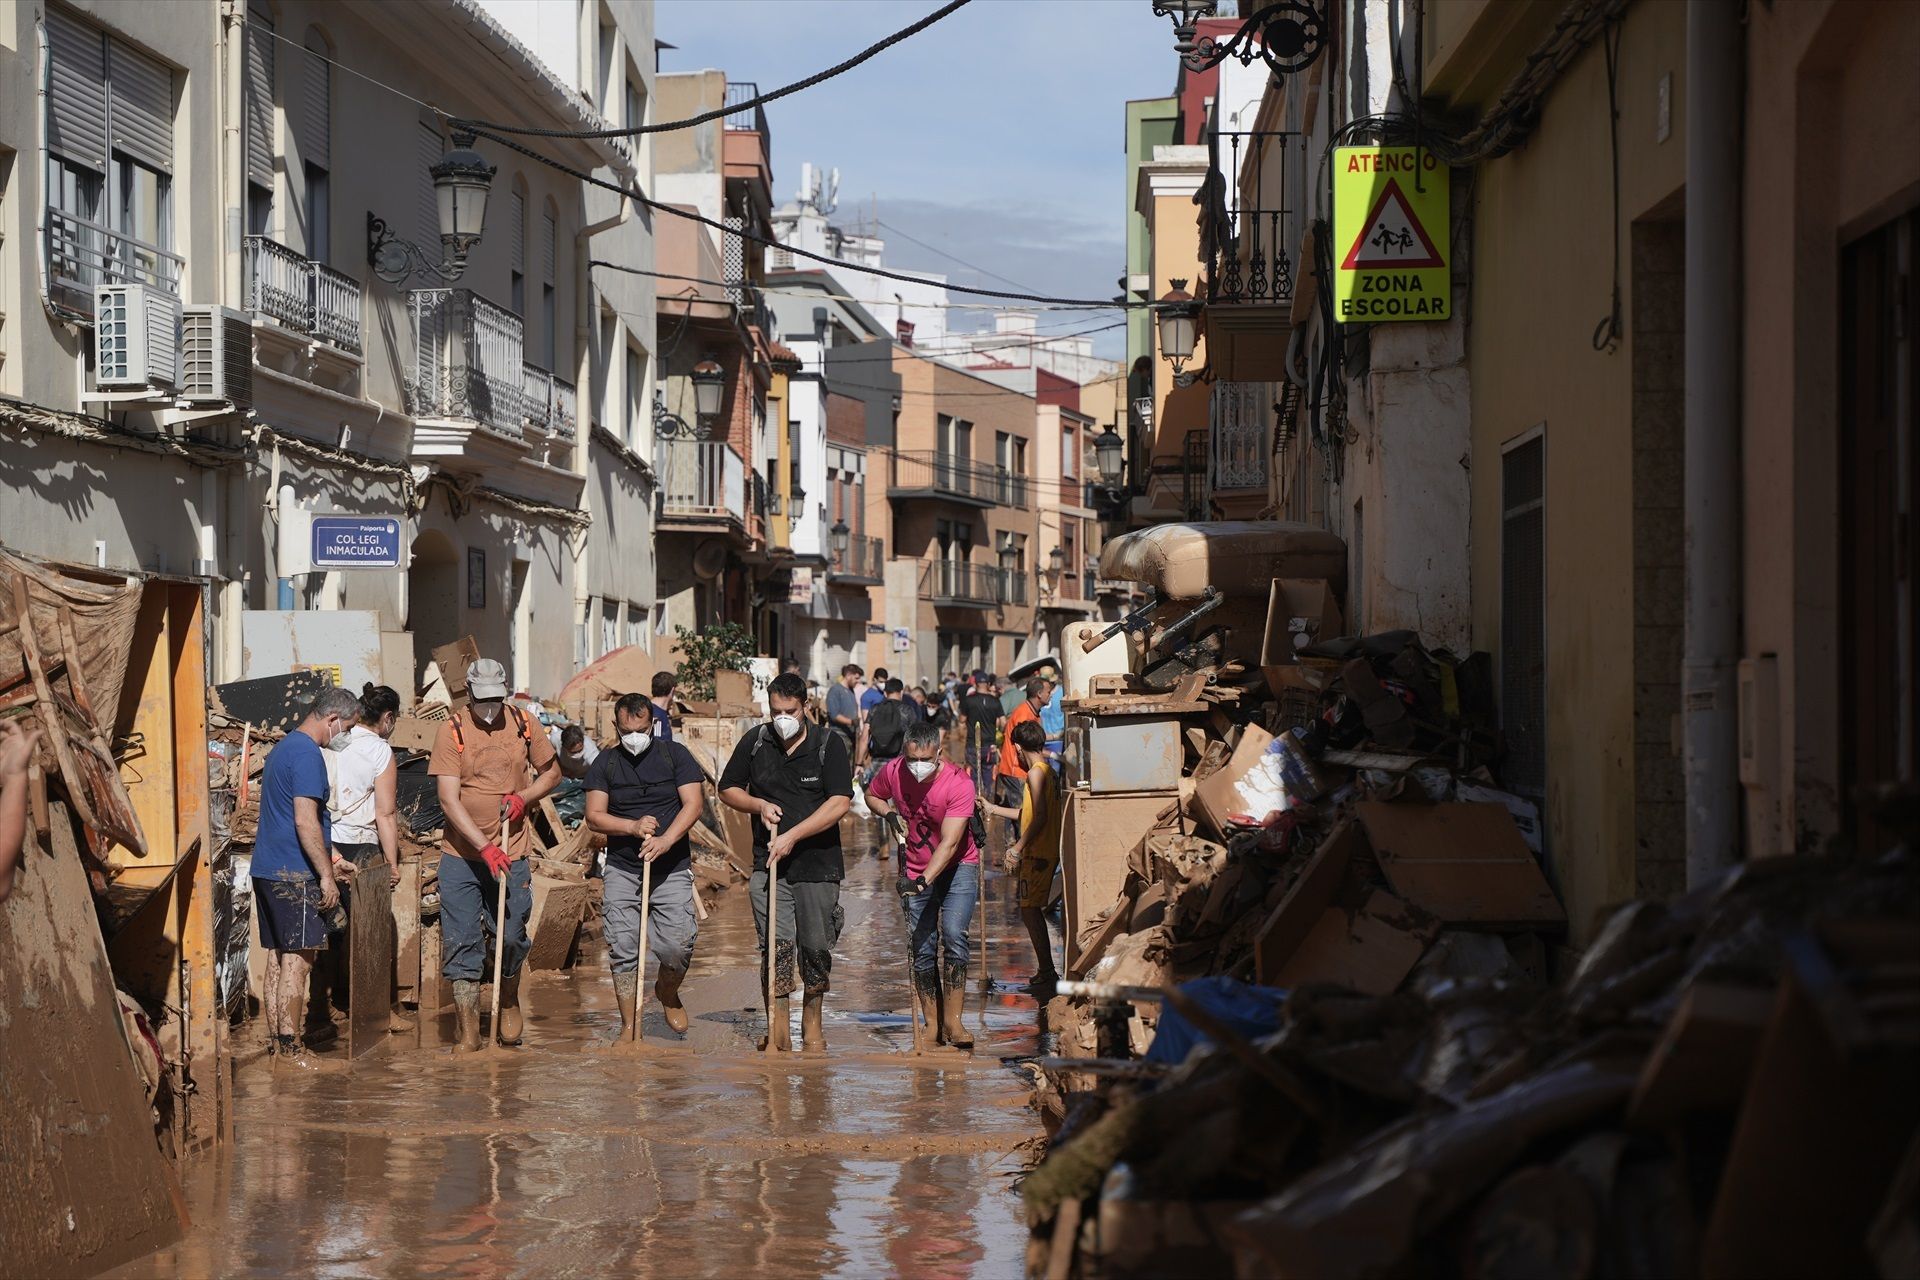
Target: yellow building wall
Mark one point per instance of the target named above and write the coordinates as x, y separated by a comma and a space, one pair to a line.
1543, 256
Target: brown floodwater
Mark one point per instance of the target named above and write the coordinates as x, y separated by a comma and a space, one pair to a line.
699, 1157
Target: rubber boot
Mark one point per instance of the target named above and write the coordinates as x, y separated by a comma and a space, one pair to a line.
929, 1002
626, 990
667, 988
779, 1027
953, 1001
813, 1036
466, 1009
511, 1021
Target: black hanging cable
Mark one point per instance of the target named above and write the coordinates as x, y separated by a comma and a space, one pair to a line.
1606, 334
883, 273
459, 123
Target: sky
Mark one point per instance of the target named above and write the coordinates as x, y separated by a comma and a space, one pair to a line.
995, 135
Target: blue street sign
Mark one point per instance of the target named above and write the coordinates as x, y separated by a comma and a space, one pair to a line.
356, 542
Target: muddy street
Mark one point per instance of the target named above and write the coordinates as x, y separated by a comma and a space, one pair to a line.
695, 1157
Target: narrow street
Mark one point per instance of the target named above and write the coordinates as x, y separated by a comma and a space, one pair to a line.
694, 1158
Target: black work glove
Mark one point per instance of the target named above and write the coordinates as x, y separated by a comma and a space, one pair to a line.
897, 824
912, 886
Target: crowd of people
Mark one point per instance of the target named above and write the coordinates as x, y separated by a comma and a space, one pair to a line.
931, 764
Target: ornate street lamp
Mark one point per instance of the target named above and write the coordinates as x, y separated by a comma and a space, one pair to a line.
1109, 453
1286, 36
1176, 312
709, 387
461, 182
839, 538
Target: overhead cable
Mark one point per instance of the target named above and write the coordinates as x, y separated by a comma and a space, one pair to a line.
722, 111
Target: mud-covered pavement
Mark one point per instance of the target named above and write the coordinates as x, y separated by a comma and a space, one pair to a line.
701, 1157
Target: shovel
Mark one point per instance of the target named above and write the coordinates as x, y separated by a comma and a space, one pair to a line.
500, 935
640, 965
773, 922
913, 992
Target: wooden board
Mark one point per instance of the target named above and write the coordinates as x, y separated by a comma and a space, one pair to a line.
1464, 863
271, 702
78, 1160
370, 947
1096, 835
1288, 926
558, 907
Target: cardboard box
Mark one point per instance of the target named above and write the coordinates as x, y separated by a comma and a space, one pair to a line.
1300, 611
1217, 798
453, 661
1334, 927
1464, 863
733, 688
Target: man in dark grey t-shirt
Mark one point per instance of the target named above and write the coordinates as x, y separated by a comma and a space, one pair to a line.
843, 706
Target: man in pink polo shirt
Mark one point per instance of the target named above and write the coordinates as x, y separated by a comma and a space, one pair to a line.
929, 804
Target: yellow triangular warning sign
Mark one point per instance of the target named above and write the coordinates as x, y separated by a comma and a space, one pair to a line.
1391, 237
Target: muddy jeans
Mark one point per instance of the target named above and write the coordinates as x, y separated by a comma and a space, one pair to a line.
469, 904
937, 924
671, 922
807, 914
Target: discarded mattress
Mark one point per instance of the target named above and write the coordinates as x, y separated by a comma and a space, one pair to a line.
1238, 557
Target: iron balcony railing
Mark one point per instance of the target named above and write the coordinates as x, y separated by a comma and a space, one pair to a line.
701, 480
1247, 215
929, 472
1242, 415
864, 560
744, 119
960, 582
551, 404
82, 255
467, 360
305, 296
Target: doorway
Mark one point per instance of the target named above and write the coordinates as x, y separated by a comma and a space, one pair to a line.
433, 597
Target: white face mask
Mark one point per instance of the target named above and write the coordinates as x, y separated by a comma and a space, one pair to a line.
786, 727
488, 713
922, 769
636, 742
338, 741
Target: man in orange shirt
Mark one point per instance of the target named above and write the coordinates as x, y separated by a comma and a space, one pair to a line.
482, 761
1011, 778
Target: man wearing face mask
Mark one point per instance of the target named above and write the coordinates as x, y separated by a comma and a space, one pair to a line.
644, 796
296, 874
795, 778
480, 765
939, 872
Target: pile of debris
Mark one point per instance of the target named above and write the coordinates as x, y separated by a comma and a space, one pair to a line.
1722, 1086
1316, 1033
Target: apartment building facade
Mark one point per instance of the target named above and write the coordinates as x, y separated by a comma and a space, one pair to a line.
237, 183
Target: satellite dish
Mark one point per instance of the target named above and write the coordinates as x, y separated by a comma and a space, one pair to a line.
709, 559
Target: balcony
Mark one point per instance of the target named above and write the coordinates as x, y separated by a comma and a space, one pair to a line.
864, 561
467, 363
928, 474
552, 405
1248, 220
972, 586
702, 485
745, 143
300, 294
82, 255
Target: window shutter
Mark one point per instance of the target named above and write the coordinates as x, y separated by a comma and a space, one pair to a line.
259, 98
76, 91
549, 246
427, 212
140, 106
316, 117
517, 232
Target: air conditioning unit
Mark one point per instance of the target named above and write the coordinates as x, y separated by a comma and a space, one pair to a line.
216, 356
136, 337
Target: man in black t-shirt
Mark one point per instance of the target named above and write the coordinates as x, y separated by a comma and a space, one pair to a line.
794, 777
644, 795
887, 726
982, 710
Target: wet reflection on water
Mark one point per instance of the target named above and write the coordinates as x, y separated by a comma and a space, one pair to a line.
697, 1157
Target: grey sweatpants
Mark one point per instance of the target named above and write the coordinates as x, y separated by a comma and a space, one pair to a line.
671, 922
807, 918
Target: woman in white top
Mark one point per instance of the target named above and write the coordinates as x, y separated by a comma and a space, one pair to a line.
364, 806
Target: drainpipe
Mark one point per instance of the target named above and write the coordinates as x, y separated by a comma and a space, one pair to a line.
1709, 718
235, 510
285, 543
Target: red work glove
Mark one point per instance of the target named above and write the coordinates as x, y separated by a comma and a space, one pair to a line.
514, 806
496, 859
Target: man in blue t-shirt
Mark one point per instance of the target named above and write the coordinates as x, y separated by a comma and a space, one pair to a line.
644, 795
663, 686
876, 692
296, 877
